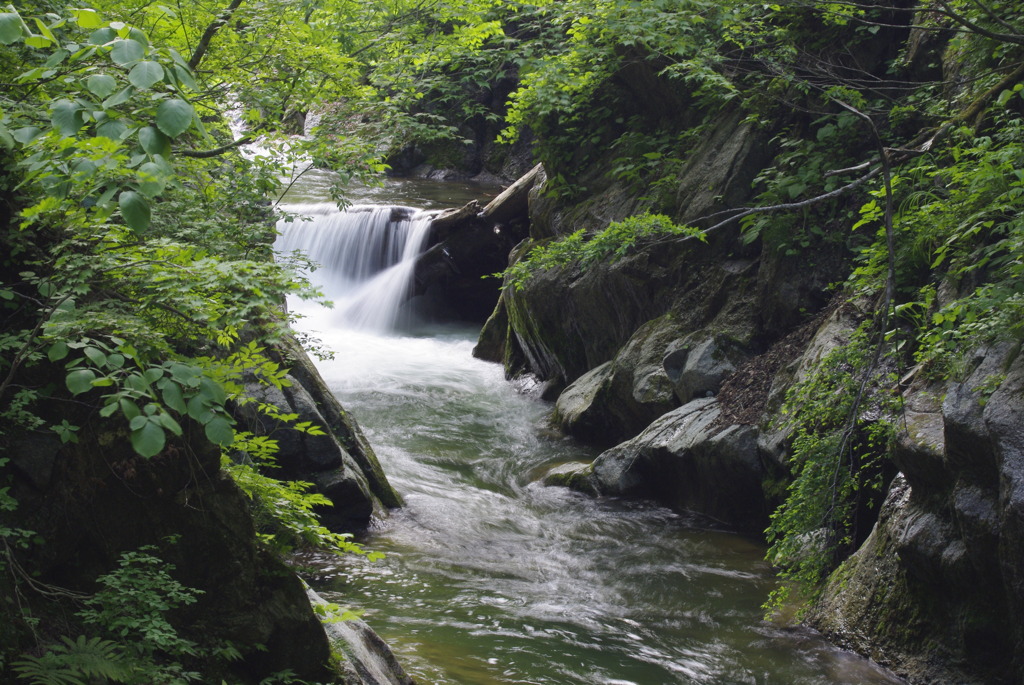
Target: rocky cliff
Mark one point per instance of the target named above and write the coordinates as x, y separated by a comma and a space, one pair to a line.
89, 502
677, 359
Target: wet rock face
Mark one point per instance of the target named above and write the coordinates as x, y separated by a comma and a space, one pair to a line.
950, 537
618, 399
685, 461
453, 278
340, 463
100, 499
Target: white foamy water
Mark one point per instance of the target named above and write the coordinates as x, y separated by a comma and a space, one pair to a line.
493, 578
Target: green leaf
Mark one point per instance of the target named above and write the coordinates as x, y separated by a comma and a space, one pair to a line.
57, 351
168, 422
102, 36
38, 42
219, 431
87, 19
126, 51
128, 408
26, 134
173, 117
146, 75
152, 179
10, 27
154, 142
149, 440
66, 117
184, 77
95, 356
199, 410
134, 209
119, 98
79, 381
101, 85
114, 129
174, 398
212, 391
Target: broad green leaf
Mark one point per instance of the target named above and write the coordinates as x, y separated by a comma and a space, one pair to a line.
219, 431
87, 19
126, 51
45, 31
38, 42
128, 408
102, 36
113, 129
146, 74
119, 98
168, 422
212, 391
57, 351
138, 35
79, 381
10, 27
173, 397
26, 134
95, 356
138, 422
134, 209
199, 409
66, 117
173, 117
149, 440
101, 85
154, 142
152, 179
184, 77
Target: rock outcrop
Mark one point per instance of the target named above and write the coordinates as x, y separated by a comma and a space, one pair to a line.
687, 461
453, 279
937, 591
192, 514
90, 501
340, 463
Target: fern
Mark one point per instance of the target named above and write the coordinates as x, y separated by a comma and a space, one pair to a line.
75, 662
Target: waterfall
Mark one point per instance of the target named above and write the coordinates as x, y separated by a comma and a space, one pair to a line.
366, 254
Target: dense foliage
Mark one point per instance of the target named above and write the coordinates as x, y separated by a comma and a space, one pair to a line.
135, 276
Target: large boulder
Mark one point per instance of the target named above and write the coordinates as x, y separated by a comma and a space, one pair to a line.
688, 461
937, 592
90, 501
368, 659
340, 463
618, 399
453, 278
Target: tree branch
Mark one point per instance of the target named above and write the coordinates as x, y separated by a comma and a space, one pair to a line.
204, 41
206, 154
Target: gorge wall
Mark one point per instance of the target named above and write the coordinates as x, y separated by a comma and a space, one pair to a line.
677, 359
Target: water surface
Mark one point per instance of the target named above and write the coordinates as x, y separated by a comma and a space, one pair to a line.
492, 578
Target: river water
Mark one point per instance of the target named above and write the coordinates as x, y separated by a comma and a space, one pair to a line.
490, 577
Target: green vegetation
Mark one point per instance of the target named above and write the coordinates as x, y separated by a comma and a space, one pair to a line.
606, 246
136, 285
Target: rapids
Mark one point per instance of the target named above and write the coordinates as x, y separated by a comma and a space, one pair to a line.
490, 577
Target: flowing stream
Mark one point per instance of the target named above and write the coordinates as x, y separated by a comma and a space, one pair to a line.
490, 577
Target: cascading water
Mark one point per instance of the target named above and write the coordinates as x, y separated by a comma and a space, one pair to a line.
489, 577
366, 254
